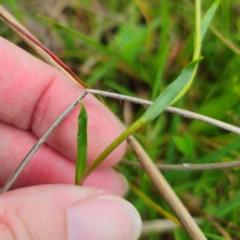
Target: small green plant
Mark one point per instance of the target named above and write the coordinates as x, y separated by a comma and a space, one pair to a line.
165, 99
136, 48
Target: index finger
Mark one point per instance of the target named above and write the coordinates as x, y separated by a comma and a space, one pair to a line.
34, 94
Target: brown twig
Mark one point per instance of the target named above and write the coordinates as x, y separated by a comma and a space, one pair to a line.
40, 142
161, 184
166, 191
37, 46
159, 226
225, 41
189, 166
219, 228
224, 223
53, 60
181, 112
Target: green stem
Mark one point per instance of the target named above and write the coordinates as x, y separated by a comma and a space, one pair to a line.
153, 205
226, 42
111, 147
197, 34
197, 46
147, 116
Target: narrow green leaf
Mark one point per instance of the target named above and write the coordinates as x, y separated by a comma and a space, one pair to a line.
167, 97
222, 210
200, 29
101, 48
164, 100
184, 144
86, 39
197, 47
81, 144
220, 152
213, 236
207, 18
148, 201
226, 42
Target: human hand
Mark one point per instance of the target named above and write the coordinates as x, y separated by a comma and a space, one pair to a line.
32, 96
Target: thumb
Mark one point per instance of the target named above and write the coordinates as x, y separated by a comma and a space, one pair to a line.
66, 212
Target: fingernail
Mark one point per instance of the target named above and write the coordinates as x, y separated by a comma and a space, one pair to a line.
104, 217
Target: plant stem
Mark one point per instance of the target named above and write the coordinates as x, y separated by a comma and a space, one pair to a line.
153, 205
181, 112
37, 46
197, 46
166, 191
110, 148
40, 142
197, 35
189, 166
225, 41
162, 101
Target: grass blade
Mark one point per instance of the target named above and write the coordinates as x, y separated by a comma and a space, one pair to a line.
39, 143
207, 18
220, 152
230, 45
172, 92
197, 47
227, 207
96, 45
37, 46
81, 144
213, 236
200, 29
162, 102
148, 201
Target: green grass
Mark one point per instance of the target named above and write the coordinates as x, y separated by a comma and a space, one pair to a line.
138, 51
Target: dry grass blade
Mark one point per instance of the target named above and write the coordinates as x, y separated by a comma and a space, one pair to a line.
225, 224
166, 191
159, 226
40, 142
173, 91
220, 229
226, 42
189, 166
153, 205
181, 112
37, 46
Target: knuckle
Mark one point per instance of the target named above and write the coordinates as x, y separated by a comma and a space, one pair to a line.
12, 226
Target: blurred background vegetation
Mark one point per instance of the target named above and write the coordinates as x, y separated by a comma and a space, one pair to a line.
137, 48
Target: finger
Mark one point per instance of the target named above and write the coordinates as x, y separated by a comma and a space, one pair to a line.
33, 95
47, 165
66, 212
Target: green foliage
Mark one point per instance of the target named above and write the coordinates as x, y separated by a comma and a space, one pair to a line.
184, 144
159, 46
211, 236
170, 93
81, 162
161, 103
207, 18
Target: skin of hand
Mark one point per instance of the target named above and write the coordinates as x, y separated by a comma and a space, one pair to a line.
44, 203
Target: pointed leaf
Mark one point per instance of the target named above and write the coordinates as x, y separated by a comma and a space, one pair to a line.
101, 48
170, 93
207, 18
164, 100
81, 144
184, 144
37, 46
